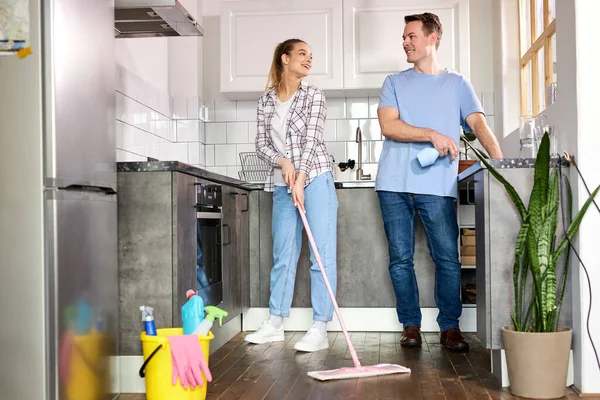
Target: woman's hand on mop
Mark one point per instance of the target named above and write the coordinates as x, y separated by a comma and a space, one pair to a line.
287, 171
298, 191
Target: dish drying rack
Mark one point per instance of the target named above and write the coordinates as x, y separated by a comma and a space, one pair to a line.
254, 170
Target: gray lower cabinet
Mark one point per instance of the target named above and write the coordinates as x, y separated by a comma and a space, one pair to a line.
157, 250
235, 251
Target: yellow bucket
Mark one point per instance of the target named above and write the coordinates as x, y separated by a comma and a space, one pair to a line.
88, 367
157, 364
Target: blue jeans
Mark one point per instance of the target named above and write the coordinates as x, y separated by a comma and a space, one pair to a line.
321, 206
438, 216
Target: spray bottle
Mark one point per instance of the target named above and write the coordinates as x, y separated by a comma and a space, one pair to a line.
148, 319
212, 312
192, 312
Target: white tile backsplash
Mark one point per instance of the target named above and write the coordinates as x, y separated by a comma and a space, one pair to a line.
225, 111
209, 150
188, 130
180, 152
346, 129
237, 132
336, 109
370, 129
357, 107
337, 150
216, 132
252, 126
225, 154
373, 104
246, 110
212, 134
329, 130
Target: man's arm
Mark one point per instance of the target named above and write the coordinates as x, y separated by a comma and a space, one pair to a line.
400, 131
395, 129
480, 128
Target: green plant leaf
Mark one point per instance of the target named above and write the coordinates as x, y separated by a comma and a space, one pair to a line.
512, 193
518, 275
569, 216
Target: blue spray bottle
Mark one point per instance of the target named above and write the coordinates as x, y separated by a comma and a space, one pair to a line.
192, 312
148, 319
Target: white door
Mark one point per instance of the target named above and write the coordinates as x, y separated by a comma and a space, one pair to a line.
373, 38
250, 30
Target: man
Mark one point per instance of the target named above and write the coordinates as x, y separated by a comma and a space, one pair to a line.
421, 107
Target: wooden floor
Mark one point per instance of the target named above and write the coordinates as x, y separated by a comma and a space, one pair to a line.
275, 371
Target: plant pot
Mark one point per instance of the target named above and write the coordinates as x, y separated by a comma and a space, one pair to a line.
464, 164
537, 362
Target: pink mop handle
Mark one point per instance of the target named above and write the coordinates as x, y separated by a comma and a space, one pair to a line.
337, 310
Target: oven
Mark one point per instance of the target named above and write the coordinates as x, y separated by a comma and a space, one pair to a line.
209, 241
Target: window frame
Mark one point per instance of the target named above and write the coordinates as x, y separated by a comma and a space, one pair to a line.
530, 55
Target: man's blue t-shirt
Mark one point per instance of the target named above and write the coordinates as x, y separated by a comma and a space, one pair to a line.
440, 102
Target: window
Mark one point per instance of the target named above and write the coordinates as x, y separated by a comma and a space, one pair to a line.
537, 32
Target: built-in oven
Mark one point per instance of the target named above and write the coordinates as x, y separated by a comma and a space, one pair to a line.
210, 233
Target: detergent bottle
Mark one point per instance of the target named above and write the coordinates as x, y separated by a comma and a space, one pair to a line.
212, 312
192, 312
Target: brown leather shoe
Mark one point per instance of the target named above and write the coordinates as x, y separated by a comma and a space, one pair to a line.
453, 340
411, 337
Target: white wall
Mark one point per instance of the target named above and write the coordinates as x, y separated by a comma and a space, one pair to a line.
588, 143
573, 115
148, 58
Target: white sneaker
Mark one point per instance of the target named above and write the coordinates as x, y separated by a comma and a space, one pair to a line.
312, 341
266, 334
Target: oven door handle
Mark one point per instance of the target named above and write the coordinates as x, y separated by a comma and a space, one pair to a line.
228, 242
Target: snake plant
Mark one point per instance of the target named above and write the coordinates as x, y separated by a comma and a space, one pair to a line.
538, 295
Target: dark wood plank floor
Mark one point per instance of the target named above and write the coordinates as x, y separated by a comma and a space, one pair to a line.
275, 371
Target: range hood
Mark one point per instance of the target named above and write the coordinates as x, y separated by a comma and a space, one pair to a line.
154, 18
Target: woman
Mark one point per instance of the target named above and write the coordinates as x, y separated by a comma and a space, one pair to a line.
291, 115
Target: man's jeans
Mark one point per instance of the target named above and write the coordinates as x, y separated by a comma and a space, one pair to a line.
321, 206
438, 216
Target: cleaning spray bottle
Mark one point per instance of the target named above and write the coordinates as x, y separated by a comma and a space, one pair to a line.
192, 312
148, 319
212, 312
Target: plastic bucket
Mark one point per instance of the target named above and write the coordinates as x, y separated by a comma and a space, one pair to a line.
157, 367
87, 365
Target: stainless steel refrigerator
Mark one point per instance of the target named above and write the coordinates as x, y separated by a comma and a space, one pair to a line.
58, 207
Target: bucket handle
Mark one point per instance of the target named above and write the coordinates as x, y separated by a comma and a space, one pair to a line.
143, 367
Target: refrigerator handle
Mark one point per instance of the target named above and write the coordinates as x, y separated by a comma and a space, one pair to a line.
87, 188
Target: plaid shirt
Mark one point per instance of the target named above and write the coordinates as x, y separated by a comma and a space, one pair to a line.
304, 145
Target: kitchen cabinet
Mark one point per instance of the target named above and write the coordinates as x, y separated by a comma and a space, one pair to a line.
235, 251
356, 43
250, 30
373, 38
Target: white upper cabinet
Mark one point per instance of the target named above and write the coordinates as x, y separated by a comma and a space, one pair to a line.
373, 38
250, 30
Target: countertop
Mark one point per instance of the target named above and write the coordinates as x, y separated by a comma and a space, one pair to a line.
154, 166
505, 163
176, 166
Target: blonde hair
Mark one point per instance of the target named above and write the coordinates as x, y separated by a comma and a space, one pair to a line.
282, 48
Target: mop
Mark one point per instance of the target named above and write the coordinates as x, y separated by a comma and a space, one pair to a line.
358, 371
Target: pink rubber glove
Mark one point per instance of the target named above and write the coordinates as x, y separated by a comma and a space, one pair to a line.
179, 361
197, 361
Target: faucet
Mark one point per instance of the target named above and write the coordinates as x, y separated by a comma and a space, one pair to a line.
359, 171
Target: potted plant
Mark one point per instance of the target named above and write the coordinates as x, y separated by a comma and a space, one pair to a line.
537, 348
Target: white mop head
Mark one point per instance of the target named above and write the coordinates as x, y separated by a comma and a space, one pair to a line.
360, 372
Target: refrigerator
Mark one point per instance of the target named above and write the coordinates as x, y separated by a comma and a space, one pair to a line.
58, 206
